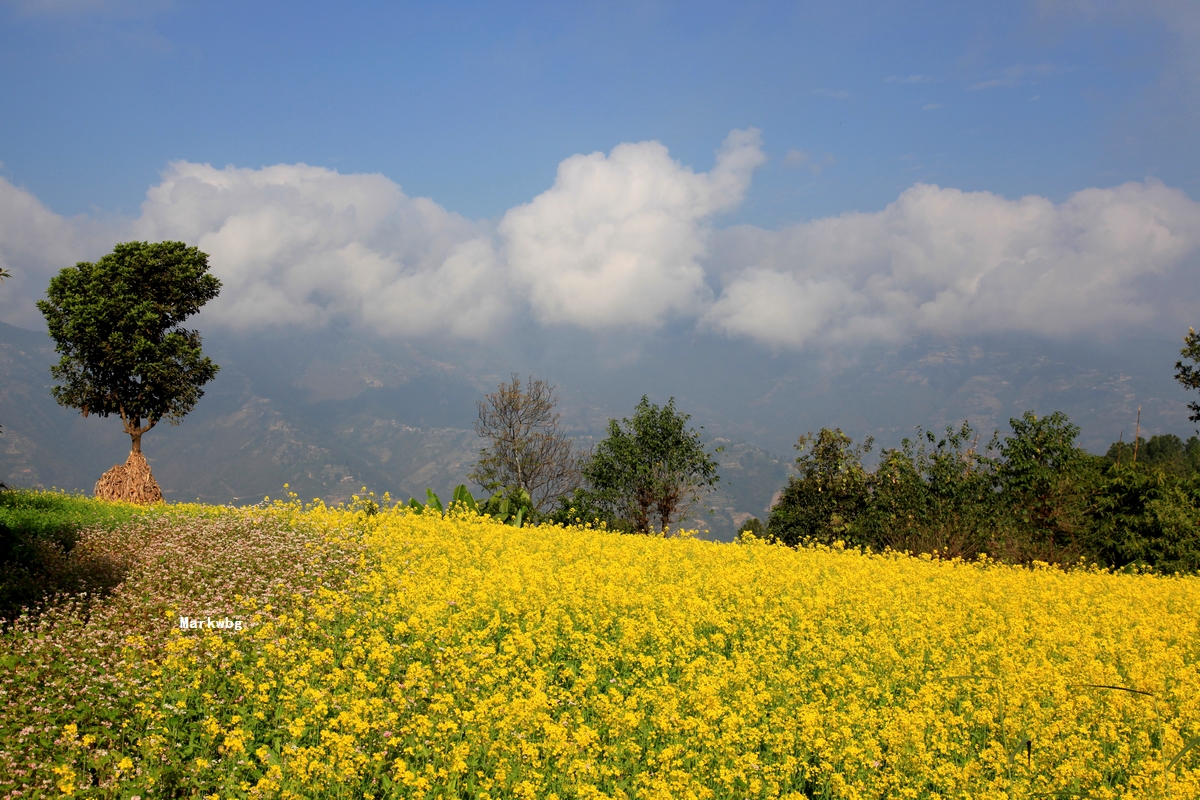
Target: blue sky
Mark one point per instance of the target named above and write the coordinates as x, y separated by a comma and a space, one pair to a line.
475, 104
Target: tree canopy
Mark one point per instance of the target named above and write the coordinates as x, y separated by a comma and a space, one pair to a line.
1189, 374
1045, 476
649, 471
118, 325
827, 494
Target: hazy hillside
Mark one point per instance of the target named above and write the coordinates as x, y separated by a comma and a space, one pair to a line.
771, 399
324, 417
328, 414
263, 422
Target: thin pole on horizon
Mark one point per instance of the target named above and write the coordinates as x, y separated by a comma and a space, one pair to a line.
1137, 434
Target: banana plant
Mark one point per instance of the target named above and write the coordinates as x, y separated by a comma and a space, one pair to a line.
463, 495
510, 507
432, 501
502, 513
510, 511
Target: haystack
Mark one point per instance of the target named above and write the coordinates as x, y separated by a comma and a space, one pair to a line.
131, 482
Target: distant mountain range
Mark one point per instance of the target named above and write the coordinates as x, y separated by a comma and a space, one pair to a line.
330, 413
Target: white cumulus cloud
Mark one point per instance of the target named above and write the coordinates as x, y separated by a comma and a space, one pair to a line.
618, 239
943, 260
626, 241
301, 245
35, 243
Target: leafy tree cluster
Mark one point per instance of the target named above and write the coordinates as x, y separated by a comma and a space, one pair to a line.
825, 499
1142, 514
1167, 452
752, 527
931, 494
645, 476
1032, 496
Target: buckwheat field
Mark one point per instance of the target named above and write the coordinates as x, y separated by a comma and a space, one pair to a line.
387, 653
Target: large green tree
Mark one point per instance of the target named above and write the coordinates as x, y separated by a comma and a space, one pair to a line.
830, 489
118, 325
933, 493
649, 471
1047, 479
1029, 500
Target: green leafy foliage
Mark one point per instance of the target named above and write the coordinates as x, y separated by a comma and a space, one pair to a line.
646, 474
512, 510
752, 527
1165, 451
1033, 496
929, 495
512, 506
118, 325
1189, 374
432, 502
1046, 482
824, 500
583, 506
933, 495
463, 495
1147, 516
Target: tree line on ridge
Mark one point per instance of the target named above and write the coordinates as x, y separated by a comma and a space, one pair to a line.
1031, 496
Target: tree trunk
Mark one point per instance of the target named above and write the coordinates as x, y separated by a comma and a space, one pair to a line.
131, 482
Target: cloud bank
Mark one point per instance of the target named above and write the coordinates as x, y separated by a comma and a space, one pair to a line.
946, 261
628, 241
301, 245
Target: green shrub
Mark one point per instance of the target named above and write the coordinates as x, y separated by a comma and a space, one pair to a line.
1146, 516
753, 527
1166, 451
1032, 496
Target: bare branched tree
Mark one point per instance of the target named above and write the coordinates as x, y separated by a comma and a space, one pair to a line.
527, 449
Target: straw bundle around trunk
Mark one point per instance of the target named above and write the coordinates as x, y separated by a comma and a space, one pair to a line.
131, 482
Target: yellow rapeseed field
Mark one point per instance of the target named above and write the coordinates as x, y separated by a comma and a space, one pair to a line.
471, 659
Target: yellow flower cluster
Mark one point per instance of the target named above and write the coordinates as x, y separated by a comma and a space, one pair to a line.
473, 659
